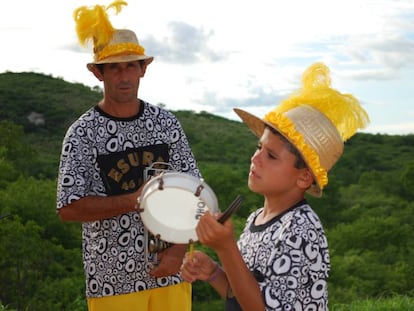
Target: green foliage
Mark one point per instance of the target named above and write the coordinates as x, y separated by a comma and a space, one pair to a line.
394, 303
15, 150
7, 170
42, 103
41, 264
366, 207
407, 180
44, 107
227, 142
209, 305
32, 199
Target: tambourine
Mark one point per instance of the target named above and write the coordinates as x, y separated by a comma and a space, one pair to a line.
172, 203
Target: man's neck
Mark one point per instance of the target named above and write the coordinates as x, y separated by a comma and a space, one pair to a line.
120, 110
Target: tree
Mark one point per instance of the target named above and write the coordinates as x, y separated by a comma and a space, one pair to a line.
36, 249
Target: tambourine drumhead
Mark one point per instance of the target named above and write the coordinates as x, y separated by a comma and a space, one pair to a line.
174, 211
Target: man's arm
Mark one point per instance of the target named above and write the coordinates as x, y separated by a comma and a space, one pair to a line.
93, 208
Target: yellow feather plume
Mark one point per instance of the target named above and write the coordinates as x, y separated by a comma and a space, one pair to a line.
344, 110
92, 23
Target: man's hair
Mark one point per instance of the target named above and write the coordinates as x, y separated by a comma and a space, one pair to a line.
299, 163
101, 66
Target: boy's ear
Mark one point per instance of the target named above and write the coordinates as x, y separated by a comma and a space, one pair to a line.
305, 179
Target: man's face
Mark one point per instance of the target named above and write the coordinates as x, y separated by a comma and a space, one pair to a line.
121, 80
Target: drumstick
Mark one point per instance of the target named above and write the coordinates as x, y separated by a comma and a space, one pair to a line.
234, 206
191, 249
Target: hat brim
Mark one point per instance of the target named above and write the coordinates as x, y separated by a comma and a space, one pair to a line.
121, 59
258, 125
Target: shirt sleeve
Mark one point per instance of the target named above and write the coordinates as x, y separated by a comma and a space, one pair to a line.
76, 168
181, 155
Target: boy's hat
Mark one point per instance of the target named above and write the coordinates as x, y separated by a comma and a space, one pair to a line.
110, 45
317, 120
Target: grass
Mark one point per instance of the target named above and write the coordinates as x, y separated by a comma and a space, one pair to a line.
395, 303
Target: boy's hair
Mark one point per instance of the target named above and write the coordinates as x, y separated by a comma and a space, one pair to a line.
299, 163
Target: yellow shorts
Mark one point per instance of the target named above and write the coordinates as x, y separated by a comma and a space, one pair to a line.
170, 298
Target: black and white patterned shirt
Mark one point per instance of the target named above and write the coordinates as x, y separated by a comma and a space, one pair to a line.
289, 258
105, 156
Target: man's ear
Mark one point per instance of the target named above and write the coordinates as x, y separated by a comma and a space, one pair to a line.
143, 68
305, 179
97, 73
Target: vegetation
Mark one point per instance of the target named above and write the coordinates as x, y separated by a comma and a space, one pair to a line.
366, 208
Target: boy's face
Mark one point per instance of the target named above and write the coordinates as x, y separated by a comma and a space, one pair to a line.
272, 169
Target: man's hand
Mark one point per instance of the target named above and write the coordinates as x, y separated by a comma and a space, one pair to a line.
170, 260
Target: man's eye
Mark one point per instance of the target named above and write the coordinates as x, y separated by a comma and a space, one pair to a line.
134, 65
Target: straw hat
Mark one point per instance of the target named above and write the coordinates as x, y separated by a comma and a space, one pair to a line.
317, 120
110, 45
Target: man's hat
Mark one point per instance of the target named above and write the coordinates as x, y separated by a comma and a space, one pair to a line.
110, 45
317, 120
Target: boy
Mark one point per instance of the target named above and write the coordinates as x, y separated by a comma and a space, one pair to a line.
281, 260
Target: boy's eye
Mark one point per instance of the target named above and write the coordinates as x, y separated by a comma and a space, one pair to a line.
269, 154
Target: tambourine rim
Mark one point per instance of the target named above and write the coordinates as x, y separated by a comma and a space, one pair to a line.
149, 189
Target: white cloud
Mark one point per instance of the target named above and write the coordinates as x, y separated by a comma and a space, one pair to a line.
215, 55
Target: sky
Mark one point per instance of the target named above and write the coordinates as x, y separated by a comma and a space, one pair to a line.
219, 54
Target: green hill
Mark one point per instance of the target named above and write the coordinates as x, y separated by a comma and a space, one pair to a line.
366, 208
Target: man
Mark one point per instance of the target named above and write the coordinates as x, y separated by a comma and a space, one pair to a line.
104, 156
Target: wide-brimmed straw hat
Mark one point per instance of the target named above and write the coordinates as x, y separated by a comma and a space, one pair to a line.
110, 45
317, 120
